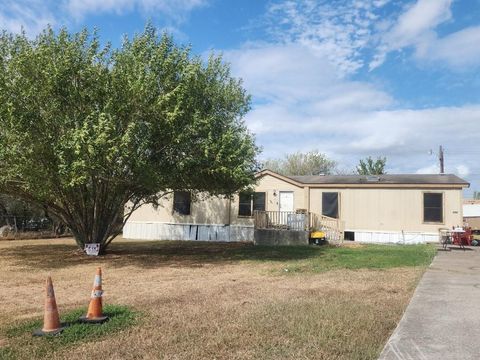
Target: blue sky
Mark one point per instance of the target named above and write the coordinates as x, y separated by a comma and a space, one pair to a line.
350, 78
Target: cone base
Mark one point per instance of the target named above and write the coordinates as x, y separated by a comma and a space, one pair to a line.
41, 332
95, 320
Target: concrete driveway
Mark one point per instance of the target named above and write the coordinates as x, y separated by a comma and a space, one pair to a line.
442, 320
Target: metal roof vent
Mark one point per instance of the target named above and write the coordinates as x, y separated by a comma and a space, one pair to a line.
373, 178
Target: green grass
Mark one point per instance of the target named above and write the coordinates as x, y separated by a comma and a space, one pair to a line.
363, 257
284, 259
22, 343
287, 259
154, 254
300, 316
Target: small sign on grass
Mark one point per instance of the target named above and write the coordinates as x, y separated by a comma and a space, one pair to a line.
92, 249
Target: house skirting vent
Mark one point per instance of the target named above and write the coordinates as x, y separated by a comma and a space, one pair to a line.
393, 237
191, 232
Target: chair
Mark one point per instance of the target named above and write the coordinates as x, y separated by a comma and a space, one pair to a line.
467, 236
462, 238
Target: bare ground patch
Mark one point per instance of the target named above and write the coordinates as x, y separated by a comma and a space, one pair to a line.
210, 303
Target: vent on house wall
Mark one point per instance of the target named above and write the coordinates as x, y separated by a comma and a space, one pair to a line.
349, 235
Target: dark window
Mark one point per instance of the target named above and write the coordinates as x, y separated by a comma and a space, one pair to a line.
330, 204
433, 207
249, 202
245, 204
181, 202
259, 201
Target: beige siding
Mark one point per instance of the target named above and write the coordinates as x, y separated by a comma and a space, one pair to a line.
369, 209
389, 209
473, 222
214, 210
269, 184
211, 210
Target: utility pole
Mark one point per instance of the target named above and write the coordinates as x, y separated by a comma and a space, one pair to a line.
440, 158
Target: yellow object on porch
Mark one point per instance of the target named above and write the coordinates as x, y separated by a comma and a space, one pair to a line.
317, 235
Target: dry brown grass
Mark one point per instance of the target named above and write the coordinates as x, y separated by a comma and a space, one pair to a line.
28, 235
199, 309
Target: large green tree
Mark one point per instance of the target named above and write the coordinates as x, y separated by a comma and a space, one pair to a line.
86, 130
370, 166
298, 163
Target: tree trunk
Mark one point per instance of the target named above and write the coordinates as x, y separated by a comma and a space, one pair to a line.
93, 213
95, 230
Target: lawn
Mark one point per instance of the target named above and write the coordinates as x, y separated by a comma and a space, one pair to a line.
196, 300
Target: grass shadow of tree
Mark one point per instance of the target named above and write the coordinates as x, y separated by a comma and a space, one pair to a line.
152, 254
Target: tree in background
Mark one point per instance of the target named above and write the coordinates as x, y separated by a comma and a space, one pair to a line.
12, 207
369, 166
87, 130
309, 163
476, 195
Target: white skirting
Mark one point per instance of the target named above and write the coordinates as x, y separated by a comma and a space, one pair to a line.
199, 232
394, 237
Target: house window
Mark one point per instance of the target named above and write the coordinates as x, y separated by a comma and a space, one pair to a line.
245, 204
259, 201
249, 202
181, 202
433, 207
330, 204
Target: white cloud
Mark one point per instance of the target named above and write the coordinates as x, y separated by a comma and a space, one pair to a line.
296, 73
35, 15
404, 136
459, 50
176, 9
301, 104
418, 21
462, 170
295, 89
417, 26
352, 34
282, 71
30, 15
338, 30
430, 169
78, 8
399, 133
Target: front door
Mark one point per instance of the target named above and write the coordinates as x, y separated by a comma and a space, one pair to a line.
285, 204
286, 201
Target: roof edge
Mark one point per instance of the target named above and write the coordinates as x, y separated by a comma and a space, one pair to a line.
279, 176
295, 181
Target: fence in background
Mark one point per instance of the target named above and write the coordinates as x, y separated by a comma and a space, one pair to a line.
12, 226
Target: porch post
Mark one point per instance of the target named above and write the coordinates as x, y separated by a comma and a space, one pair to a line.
306, 193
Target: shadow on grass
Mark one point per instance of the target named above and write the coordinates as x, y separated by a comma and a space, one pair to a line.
153, 254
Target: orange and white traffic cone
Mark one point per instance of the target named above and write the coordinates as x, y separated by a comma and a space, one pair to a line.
95, 312
51, 319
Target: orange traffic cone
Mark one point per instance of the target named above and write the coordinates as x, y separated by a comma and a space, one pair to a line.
51, 319
94, 312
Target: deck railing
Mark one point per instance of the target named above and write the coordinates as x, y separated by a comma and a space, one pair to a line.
281, 220
333, 228
305, 221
